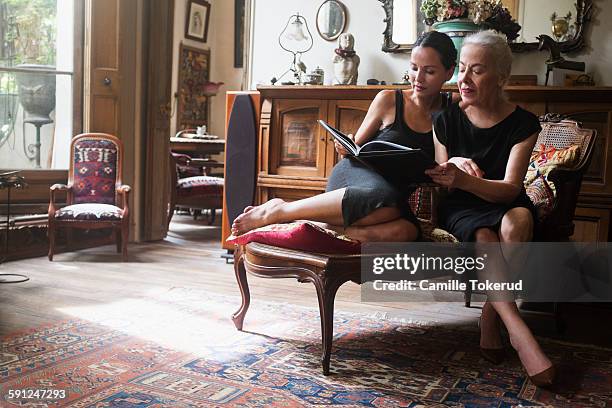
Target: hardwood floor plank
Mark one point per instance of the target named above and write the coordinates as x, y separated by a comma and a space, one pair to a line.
191, 258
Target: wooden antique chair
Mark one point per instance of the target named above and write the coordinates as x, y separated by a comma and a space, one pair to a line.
192, 188
96, 198
329, 271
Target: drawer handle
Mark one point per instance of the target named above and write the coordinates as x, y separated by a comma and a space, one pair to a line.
107, 81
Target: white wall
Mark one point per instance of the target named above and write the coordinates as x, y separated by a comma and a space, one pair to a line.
365, 22
221, 45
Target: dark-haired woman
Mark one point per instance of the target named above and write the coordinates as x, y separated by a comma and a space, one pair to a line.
358, 201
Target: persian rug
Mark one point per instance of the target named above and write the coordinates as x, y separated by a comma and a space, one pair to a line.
180, 349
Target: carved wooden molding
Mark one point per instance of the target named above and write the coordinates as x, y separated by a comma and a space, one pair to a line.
584, 13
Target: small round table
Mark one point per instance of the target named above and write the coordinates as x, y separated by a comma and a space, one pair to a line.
10, 180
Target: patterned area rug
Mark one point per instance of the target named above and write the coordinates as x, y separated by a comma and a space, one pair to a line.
179, 349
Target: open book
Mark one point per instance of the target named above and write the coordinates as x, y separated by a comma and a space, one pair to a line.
400, 165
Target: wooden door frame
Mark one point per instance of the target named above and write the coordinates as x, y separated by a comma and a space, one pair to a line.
158, 49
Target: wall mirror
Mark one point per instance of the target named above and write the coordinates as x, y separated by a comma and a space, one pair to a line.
331, 19
405, 23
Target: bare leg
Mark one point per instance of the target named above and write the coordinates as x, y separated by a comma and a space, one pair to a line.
326, 207
398, 230
490, 337
516, 226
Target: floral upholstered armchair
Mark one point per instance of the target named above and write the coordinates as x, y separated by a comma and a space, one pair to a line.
96, 198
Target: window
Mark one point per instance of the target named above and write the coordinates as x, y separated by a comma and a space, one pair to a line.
36, 83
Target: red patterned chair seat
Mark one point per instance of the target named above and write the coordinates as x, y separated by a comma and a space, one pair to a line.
197, 193
199, 185
91, 212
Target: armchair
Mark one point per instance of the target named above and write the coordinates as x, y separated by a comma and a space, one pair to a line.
96, 198
193, 190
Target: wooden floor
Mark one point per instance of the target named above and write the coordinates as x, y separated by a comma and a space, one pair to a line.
191, 258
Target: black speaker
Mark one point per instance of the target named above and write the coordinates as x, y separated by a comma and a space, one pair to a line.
240, 156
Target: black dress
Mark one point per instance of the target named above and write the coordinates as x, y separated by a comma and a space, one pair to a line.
462, 213
366, 190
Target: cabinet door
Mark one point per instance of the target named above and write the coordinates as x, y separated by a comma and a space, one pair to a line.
591, 224
345, 115
297, 141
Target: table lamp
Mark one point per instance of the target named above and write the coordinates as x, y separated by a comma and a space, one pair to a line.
295, 40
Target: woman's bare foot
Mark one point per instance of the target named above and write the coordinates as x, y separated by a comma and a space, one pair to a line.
259, 216
490, 336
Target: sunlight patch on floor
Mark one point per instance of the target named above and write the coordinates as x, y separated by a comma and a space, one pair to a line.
184, 321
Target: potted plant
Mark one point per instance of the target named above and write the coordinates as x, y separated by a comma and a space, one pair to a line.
30, 36
459, 18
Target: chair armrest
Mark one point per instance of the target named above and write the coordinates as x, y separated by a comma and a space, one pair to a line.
125, 190
52, 190
57, 187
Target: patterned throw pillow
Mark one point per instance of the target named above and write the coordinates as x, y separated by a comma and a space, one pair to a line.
542, 196
544, 159
300, 235
429, 233
540, 190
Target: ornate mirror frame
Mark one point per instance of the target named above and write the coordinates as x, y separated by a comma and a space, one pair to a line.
344, 19
584, 12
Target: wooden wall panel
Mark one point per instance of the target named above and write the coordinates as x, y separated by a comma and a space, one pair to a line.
106, 117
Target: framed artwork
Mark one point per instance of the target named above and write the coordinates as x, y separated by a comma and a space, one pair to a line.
198, 15
193, 73
238, 33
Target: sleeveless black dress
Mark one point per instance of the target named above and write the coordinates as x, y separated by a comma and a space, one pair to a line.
366, 190
462, 213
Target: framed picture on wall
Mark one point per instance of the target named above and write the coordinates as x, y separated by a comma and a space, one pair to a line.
193, 75
198, 15
238, 33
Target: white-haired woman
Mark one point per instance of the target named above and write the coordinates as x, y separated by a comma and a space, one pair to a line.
484, 144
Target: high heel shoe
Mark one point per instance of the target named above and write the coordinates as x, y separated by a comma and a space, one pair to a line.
493, 355
544, 379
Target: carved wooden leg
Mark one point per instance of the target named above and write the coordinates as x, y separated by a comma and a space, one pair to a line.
118, 239
467, 296
326, 293
69, 239
125, 236
51, 234
243, 284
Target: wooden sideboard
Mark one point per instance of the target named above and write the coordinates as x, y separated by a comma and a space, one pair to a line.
296, 155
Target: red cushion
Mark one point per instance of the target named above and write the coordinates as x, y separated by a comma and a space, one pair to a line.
200, 185
300, 235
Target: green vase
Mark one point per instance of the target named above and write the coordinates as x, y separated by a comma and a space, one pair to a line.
457, 30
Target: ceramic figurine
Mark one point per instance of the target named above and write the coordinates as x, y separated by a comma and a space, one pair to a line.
346, 61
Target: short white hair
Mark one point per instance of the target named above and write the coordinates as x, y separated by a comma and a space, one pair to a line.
497, 45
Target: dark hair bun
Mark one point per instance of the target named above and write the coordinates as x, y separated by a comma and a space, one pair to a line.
442, 44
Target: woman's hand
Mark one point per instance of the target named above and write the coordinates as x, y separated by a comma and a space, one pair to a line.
467, 165
340, 149
447, 175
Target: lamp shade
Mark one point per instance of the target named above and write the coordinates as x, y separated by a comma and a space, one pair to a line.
296, 37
